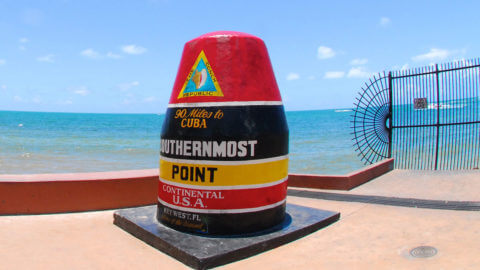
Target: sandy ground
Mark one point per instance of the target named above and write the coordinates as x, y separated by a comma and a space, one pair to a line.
367, 236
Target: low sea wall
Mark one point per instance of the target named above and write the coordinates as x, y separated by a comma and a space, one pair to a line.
341, 182
74, 192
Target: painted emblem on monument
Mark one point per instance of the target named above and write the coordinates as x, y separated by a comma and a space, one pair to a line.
201, 80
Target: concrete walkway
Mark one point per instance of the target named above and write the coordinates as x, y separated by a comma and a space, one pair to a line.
367, 236
430, 185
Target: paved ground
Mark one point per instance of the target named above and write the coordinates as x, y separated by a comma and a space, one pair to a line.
433, 185
367, 236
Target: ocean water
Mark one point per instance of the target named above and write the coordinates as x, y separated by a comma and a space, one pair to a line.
37, 142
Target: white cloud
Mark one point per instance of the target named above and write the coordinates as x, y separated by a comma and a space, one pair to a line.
403, 67
358, 72
3, 87
149, 99
113, 55
133, 49
325, 52
46, 58
292, 76
433, 55
80, 90
37, 100
65, 102
3, 62
385, 21
90, 53
128, 101
18, 98
128, 85
334, 74
311, 77
359, 61
23, 41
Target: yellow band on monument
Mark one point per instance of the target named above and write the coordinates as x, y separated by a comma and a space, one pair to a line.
223, 175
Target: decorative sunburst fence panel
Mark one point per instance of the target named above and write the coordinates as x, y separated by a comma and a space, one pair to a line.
426, 118
370, 127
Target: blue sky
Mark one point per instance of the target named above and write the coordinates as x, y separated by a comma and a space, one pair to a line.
122, 56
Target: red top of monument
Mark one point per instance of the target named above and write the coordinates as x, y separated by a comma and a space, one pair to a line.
225, 34
225, 66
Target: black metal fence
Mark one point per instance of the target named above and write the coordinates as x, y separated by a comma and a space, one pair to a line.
426, 118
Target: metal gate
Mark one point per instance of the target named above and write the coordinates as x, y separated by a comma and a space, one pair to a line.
426, 118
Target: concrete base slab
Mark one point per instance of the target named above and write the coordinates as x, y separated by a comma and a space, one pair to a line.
202, 252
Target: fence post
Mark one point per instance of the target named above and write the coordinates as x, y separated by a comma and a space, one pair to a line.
438, 115
390, 115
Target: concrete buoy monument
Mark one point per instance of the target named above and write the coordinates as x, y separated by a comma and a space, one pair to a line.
224, 140
223, 160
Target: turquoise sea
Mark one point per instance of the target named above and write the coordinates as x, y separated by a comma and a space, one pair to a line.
38, 142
